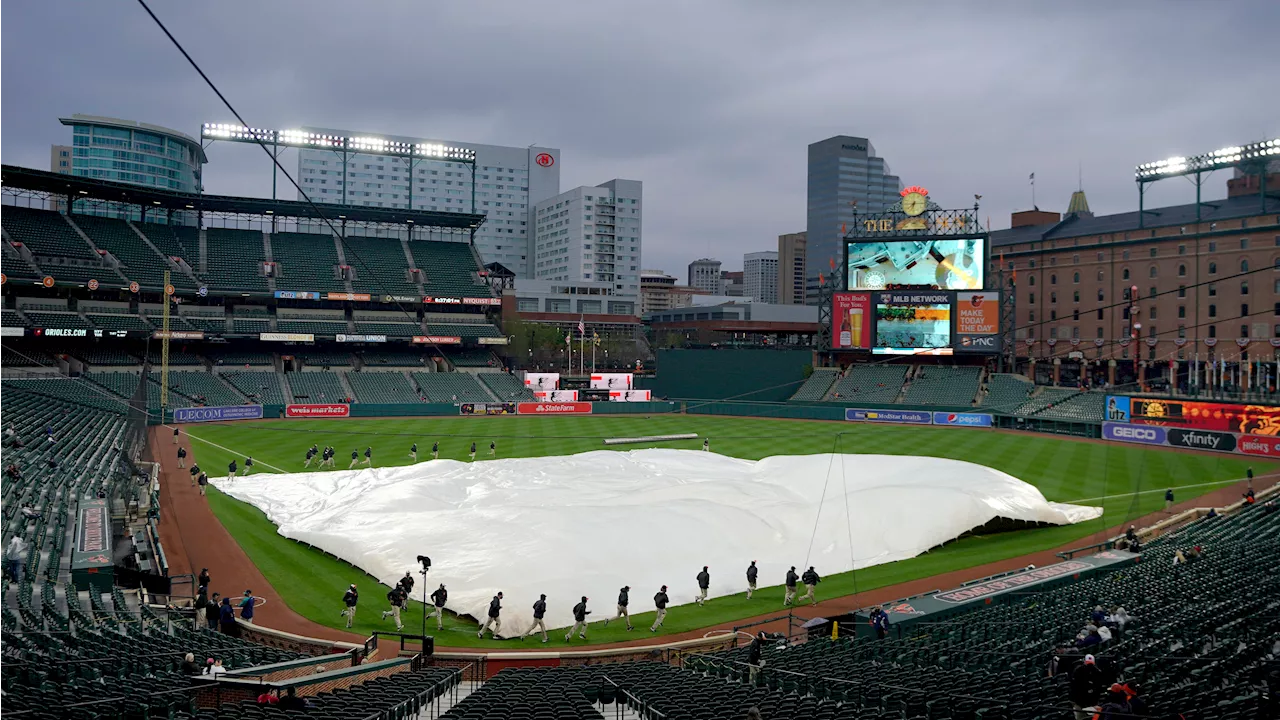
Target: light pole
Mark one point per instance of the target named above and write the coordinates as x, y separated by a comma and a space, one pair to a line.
426, 565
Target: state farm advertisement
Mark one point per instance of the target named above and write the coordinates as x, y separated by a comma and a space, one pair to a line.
1244, 419
977, 317
629, 396
559, 408
851, 317
610, 381
332, 410
556, 396
542, 381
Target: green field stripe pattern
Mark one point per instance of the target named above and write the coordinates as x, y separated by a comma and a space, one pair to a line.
1065, 470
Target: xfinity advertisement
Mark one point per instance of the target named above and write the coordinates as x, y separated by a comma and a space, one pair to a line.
1210, 440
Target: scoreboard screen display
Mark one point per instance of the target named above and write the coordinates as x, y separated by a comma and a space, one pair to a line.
916, 263
913, 323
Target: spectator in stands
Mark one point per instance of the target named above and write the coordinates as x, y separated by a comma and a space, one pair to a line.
182, 457
246, 607
1195, 554
270, 697
14, 556
752, 573
12, 472
1131, 534
810, 579
203, 578
9, 434
1268, 507
350, 599
30, 513
189, 666
438, 598
493, 619
201, 605
660, 601
704, 583
213, 611
580, 613
1089, 638
792, 579
291, 701
227, 618
1085, 686
1168, 501
880, 621
216, 668
1179, 558
539, 611
1119, 617
1114, 706
1249, 497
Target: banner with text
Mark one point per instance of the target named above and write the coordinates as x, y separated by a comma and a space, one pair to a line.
217, 414
851, 318
611, 381
984, 420
909, 417
487, 409
541, 408
977, 322
436, 340
361, 338
1223, 417
331, 410
286, 337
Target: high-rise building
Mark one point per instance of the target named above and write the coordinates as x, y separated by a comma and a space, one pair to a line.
791, 269
760, 276
131, 152
704, 274
591, 233
844, 176
508, 182
731, 282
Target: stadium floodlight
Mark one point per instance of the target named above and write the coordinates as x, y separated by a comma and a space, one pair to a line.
1220, 159
361, 144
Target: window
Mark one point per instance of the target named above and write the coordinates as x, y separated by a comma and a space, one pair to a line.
1075, 296
1032, 299
1182, 271
1244, 287
1182, 331
1151, 331
1053, 278
1182, 249
1151, 292
1031, 263
1182, 311
1075, 259
1031, 316
1244, 311
1128, 293
1151, 272
1053, 314
1075, 278
1182, 291
1213, 246
1124, 274
1053, 333
1075, 333
1124, 255
1244, 243
1244, 331
1031, 281
1075, 315
1213, 289
1099, 313
1100, 255
1100, 295
1053, 298
1152, 313
1098, 332
1153, 252
1213, 311
1213, 331
1244, 266
1101, 276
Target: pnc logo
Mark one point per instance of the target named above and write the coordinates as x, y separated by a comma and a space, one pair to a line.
545, 160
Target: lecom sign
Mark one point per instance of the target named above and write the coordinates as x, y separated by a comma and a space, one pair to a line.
334, 410
550, 408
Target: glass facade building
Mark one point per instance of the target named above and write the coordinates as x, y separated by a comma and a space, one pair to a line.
132, 152
845, 177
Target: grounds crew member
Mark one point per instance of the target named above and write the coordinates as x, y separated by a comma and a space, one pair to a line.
473, 451
396, 597
195, 471
231, 470
539, 610
495, 609
438, 598
623, 601
706, 445
175, 435
880, 621
704, 582
368, 456
752, 572
350, 599
1168, 501
580, 613
182, 457
248, 466
791, 586
435, 450
406, 582
660, 602
413, 452
810, 579
493, 448
355, 459
311, 452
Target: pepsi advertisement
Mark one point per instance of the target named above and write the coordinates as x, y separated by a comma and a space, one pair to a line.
983, 420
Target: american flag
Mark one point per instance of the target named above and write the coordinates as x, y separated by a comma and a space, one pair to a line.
582, 329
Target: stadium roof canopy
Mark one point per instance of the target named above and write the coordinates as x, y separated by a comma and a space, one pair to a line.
12, 176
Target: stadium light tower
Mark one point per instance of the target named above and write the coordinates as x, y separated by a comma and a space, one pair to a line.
344, 146
1243, 156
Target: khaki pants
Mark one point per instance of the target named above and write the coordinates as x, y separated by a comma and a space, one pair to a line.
435, 454
394, 612
702, 596
754, 672
438, 614
182, 462
751, 588
538, 625
200, 617
244, 472
808, 594
307, 463
657, 621
622, 614
495, 622
413, 456
790, 595
579, 626
349, 614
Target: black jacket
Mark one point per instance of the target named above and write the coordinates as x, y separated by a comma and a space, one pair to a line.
752, 571
791, 578
580, 612
622, 598
414, 448
660, 600
1086, 685
231, 466
704, 579
495, 607
406, 582
351, 598
395, 596
202, 599
182, 452
753, 652
440, 597
539, 609
811, 578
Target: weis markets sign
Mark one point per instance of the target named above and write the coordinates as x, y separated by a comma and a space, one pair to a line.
329, 410
217, 414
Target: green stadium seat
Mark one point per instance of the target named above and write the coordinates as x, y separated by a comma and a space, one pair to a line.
380, 266
944, 385
505, 386
817, 385
306, 261
316, 387
870, 383
382, 387
234, 260
451, 387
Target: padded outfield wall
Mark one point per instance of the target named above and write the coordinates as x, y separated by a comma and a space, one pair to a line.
738, 373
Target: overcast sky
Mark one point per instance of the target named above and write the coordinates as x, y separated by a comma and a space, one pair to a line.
710, 103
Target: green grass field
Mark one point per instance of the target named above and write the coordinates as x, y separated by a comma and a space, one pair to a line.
1131, 478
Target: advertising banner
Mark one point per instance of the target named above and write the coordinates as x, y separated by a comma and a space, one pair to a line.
910, 417
179, 334
217, 414
556, 396
332, 410
401, 299
1202, 440
964, 419
286, 337
492, 341
64, 332
297, 295
431, 299
1222, 417
361, 338
1259, 445
851, 318
357, 297
436, 340
12, 331
487, 409
611, 381
481, 301
977, 322
913, 323
559, 408
1128, 432
629, 396
542, 381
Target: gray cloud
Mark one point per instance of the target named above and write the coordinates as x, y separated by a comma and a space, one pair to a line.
711, 104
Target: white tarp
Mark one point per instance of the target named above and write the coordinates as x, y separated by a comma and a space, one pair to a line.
588, 524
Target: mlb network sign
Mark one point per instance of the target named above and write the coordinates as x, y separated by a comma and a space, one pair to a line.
217, 414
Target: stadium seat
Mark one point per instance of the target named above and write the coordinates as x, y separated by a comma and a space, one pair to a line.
380, 266
943, 385
505, 386
452, 387
449, 269
382, 387
234, 260
316, 387
307, 261
138, 261
259, 387
870, 383
817, 385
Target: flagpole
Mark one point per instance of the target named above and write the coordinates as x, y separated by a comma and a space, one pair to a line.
568, 344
